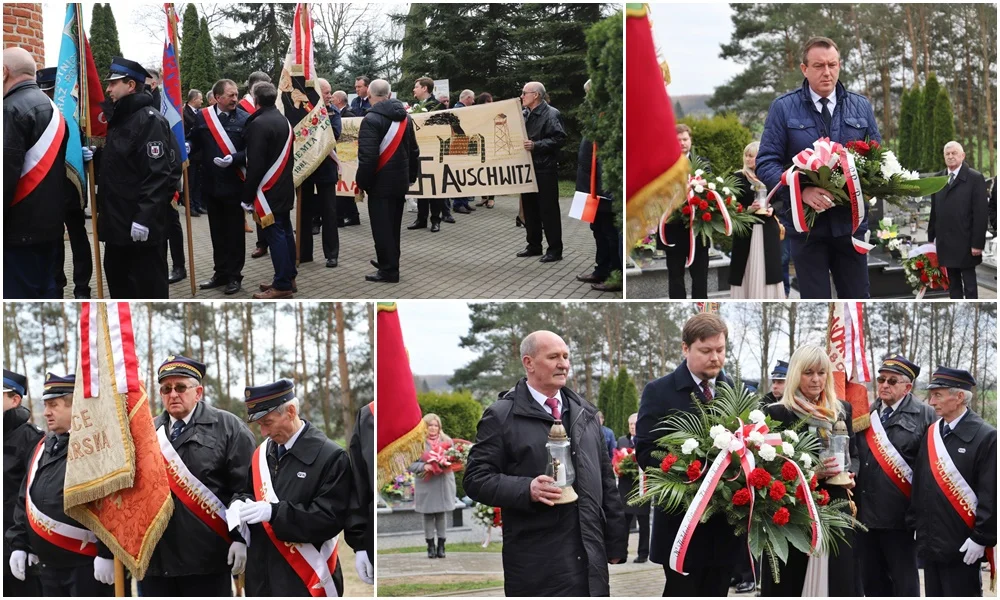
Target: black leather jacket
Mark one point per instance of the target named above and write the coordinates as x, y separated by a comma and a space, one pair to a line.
396, 177
545, 127
20, 437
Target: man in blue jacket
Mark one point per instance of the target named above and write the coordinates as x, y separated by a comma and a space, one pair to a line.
822, 107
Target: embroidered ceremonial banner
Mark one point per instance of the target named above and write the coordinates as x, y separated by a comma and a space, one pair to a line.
473, 151
846, 347
171, 103
116, 483
401, 429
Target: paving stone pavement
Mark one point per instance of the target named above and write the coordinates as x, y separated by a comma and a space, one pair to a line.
471, 259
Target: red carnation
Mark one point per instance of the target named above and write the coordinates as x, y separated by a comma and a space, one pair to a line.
874, 145
730, 200
741, 497
919, 264
739, 208
706, 217
824, 497
859, 146
788, 472
778, 491
686, 210
813, 482
780, 518
668, 461
694, 470
800, 493
924, 277
694, 200
759, 478
703, 205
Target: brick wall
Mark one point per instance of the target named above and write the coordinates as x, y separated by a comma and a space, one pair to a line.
22, 26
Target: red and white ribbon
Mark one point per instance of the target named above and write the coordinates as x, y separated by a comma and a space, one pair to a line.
854, 343
88, 349
956, 490
38, 160
302, 42
66, 536
853, 182
222, 138
261, 207
194, 494
713, 196
888, 458
124, 360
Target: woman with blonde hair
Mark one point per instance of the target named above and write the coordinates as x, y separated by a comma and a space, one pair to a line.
755, 270
810, 396
433, 489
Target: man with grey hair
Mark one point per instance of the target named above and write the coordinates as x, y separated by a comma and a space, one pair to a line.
546, 135
347, 209
34, 200
954, 491
466, 98
461, 205
319, 196
248, 104
626, 485
552, 546
958, 222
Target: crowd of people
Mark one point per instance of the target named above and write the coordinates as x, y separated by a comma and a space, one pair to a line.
314, 491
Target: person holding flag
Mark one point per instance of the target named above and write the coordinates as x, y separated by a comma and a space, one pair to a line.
34, 166
359, 533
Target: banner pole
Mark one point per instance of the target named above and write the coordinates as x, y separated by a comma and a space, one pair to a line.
298, 225
190, 238
91, 194
119, 579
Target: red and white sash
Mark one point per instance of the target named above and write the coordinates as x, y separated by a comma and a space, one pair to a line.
261, 207
195, 495
314, 567
954, 487
247, 104
38, 160
66, 536
390, 143
887, 457
221, 137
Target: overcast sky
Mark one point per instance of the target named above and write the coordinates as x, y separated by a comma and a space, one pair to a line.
431, 332
689, 37
135, 42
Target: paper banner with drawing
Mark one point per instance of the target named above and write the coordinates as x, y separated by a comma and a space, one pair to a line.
473, 151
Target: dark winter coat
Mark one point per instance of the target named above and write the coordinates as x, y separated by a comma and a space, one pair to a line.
792, 125
20, 436
266, 132
677, 231
47, 495
216, 447
940, 530
360, 530
881, 505
140, 172
741, 244
545, 128
216, 181
395, 178
627, 484
312, 508
548, 550
713, 544
38, 217
361, 107
959, 219
190, 120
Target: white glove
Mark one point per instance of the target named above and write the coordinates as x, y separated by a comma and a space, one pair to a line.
140, 233
255, 512
187, 147
104, 570
17, 563
32, 559
224, 161
237, 557
88, 153
247, 207
364, 566
973, 551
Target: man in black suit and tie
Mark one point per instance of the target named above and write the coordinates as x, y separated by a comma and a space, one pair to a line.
958, 222
714, 550
626, 484
191, 108
677, 236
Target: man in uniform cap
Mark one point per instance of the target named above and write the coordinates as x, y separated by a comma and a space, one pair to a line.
34, 178
20, 436
207, 452
140, 172
71, 560
299, 485
360, 530
778, 376
887, 451
953, 507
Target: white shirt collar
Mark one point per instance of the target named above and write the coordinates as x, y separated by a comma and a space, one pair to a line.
540, 398
291, 441
816, 97
187, 419
697, 380
955, 172
954, 423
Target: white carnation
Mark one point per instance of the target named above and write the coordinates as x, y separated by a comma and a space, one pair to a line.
726, 191
757, 416
873, 200
787, 449
890, 165
767, 453
719, 179
887, 221
689, 446
711, 186
806, 460
699, 173
716, 430
791, 435
722, 441
699, 188
756, 437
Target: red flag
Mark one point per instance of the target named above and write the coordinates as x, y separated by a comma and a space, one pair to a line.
846, 346
95, 97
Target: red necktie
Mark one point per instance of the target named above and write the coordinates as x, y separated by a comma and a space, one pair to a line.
553, 404
707, 390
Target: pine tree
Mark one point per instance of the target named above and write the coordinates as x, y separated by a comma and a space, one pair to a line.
363, 59
190, 31
605, 394
626, 402
103, 37
908, 128
204, 70
944, 126
262, 42
930, 156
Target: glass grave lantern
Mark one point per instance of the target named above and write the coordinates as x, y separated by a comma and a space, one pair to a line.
560, 467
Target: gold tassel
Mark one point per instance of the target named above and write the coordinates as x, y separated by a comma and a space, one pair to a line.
663, 194
397, 456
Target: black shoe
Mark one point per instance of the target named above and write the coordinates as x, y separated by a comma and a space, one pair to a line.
745, 587
233, 287
431, 550
213, 283
529, 252
640, 559
448, 219
518, 222
341, 224
305, 260
331, 263
177, 274
550, 258
463, 211
594, 279
374, 263
435, 227
380, 277
203, 210
470, 209
440, 549
195, 213
316, 230
353, 222
417, 225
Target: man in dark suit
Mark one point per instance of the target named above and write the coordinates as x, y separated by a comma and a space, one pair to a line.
347, 209
958, 222
714, 550
191, 108
680, 243
626, 484
426, 102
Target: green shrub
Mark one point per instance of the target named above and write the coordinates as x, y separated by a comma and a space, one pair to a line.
720, 139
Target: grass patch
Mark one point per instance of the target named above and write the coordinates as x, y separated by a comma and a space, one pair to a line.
451, 547
567, 188
424, 589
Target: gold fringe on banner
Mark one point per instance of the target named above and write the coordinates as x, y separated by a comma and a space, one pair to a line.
400, 453
663, 194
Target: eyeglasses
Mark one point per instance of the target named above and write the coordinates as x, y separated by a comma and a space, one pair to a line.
890, 381
526, 93
180, 388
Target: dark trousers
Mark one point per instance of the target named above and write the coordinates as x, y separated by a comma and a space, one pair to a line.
952, 580
72, 581
386, 216
216, 585
676, 257
698, 582
888, 559
347, 210
261, 238
194, 180
460, 202
434, 205
643, 532
136, 272
175, 238
320, 200
541, 214
83, 263
816, 259
225, 223
280, 238
12, 586
606, 238
29, 272
962, 283
786, 260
